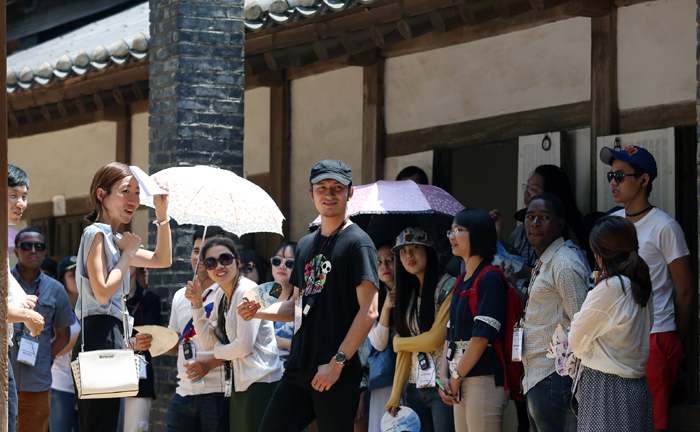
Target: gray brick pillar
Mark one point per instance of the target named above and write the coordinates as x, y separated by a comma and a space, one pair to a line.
697, 116
195, 117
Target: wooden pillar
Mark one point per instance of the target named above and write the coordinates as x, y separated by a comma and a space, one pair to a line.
4, 274
373, 122
442, 169
124, 138
604, 106
280, 154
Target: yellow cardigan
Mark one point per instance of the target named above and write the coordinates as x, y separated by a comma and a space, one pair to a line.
425, 342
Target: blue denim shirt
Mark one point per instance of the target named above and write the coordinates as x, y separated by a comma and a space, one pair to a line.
55, 307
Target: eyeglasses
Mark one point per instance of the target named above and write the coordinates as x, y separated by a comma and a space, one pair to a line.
27, 246
247, 268
619, 176
277, 262
530, 190
389, 262
225, 259
454, 232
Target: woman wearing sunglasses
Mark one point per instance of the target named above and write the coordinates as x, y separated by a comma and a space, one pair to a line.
102, 276
249, 346
282, 264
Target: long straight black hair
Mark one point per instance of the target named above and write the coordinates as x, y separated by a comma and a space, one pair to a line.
407, 288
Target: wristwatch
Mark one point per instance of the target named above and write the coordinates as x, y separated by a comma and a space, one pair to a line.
341, 358
455, 374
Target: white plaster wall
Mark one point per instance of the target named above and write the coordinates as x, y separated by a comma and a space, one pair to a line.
256, 129
535, 68
64, 162
139, 140
326, 123
656, 53
393, 165
139, 157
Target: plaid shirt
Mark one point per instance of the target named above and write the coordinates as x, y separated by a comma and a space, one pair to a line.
557, 291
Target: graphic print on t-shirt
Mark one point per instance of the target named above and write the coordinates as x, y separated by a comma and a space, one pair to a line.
313, 282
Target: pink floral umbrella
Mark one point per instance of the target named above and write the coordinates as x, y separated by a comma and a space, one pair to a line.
385, 208
203, 195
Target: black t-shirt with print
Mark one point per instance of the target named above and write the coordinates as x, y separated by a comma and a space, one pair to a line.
348, 259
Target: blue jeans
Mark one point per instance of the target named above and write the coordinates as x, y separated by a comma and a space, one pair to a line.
197, 413
433, 413
64, 416
549, 405
11, 397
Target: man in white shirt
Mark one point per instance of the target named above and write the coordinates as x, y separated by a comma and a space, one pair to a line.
197, 407
663, 247
19, 305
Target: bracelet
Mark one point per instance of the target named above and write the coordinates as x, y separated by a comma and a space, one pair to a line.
161, 223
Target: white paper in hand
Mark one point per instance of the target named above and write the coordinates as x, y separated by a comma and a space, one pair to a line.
163, 338
265, 294
148, 185
406, 420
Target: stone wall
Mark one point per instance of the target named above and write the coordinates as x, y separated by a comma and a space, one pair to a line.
195, 118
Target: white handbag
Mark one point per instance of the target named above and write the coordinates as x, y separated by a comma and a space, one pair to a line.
102, 374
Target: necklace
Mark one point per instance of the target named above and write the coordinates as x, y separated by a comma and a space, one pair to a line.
638, 213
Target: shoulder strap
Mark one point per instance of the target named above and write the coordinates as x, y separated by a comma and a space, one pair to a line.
473, 292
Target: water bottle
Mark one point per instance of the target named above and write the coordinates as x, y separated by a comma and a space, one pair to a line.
198, 387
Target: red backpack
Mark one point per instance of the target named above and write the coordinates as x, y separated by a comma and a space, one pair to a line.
512, 371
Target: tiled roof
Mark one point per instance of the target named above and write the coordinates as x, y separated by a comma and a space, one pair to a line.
261, 14
110, 42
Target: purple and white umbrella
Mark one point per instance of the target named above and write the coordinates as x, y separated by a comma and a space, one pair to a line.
385, 208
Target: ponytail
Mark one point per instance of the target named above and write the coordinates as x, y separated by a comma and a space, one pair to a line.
637, 271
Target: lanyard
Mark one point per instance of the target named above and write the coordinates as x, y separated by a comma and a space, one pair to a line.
312, 280
533, 278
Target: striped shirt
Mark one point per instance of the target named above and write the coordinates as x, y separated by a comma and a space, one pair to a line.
557, 291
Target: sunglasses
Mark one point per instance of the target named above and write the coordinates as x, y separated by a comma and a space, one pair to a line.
225, 259
27, 246
618, 176
247, 268
277, 262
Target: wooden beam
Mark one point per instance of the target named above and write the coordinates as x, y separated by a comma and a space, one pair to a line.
302, 55
373, 123
57, 124
604, 102
45, 209
329, 49
363, 59
280, 151
123, 154
358, 42
488, 130
84, 85
469, 33
314, 69
265, 79
278, 59
138, 107
416, 26
448, 19
588, 8
255, 65
478, 12
546, 4
361, 19
386, 34
657, 117
511, 8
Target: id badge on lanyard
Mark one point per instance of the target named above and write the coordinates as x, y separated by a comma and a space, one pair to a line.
28, 350
517, 348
